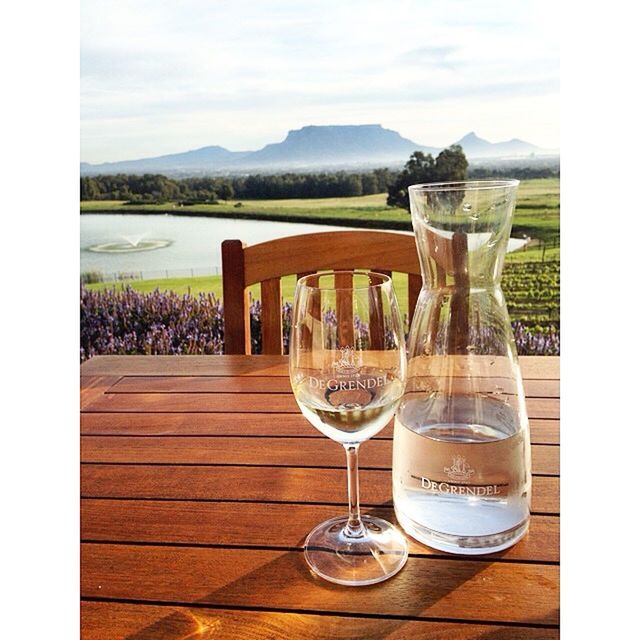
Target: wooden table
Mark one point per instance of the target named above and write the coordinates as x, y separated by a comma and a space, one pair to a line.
201, 479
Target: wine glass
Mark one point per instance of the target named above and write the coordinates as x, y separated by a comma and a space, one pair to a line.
347, 365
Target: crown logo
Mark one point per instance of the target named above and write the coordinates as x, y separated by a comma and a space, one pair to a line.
347, 361
459, 470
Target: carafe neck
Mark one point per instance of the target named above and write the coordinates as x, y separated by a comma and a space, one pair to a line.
462, 231
461, 260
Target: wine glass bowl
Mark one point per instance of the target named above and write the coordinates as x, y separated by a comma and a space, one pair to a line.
347, 367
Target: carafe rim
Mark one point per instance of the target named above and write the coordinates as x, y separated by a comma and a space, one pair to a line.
464, 185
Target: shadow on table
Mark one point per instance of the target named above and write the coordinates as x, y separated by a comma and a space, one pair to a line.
286, 583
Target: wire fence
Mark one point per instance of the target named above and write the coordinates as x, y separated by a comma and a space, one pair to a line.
89, 277
544, 246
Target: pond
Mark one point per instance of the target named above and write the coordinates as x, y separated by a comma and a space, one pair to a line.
156, 246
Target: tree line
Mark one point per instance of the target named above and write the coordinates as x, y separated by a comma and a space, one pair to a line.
449, 165
160, 188
519, 173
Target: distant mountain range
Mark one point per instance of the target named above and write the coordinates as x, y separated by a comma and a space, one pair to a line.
313, 148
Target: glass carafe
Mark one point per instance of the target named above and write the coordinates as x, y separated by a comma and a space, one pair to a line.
461, 451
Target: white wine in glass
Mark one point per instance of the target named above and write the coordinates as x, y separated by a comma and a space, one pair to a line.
347, 366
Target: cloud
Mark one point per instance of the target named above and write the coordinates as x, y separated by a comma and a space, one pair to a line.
158, 75
437, 55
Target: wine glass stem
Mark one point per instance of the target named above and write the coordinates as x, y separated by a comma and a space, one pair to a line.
355, 527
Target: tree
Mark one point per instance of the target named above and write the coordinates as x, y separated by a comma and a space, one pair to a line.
370, 184
450, 166
225, 190
89, 189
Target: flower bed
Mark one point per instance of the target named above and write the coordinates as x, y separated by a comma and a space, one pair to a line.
126, 322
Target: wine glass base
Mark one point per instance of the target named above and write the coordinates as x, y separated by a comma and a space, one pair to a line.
356, 561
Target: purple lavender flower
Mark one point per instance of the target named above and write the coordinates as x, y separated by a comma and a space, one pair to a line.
124, 321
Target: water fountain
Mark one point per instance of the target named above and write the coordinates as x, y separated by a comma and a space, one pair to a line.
130, 244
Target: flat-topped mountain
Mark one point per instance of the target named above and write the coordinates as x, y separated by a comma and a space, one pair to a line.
314, 145
311, 148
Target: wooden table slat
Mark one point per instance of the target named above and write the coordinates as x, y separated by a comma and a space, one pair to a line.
532, 367
243, 403
117, 620
267, 484
223, 523
543, 431
261, 384
474, 590
94, 387
294, 452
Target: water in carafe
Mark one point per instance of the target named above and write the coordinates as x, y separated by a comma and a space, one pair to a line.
461, 452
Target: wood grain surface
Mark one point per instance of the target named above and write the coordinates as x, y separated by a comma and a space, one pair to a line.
543, 431
532, 367
288, 452
117, 620
268, 484
427, 587
249, 525
261, 384
200, 480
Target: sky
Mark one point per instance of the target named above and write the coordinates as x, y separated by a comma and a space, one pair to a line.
162, 76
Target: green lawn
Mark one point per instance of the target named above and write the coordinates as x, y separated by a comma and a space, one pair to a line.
362, 209
537, 211
375, 201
